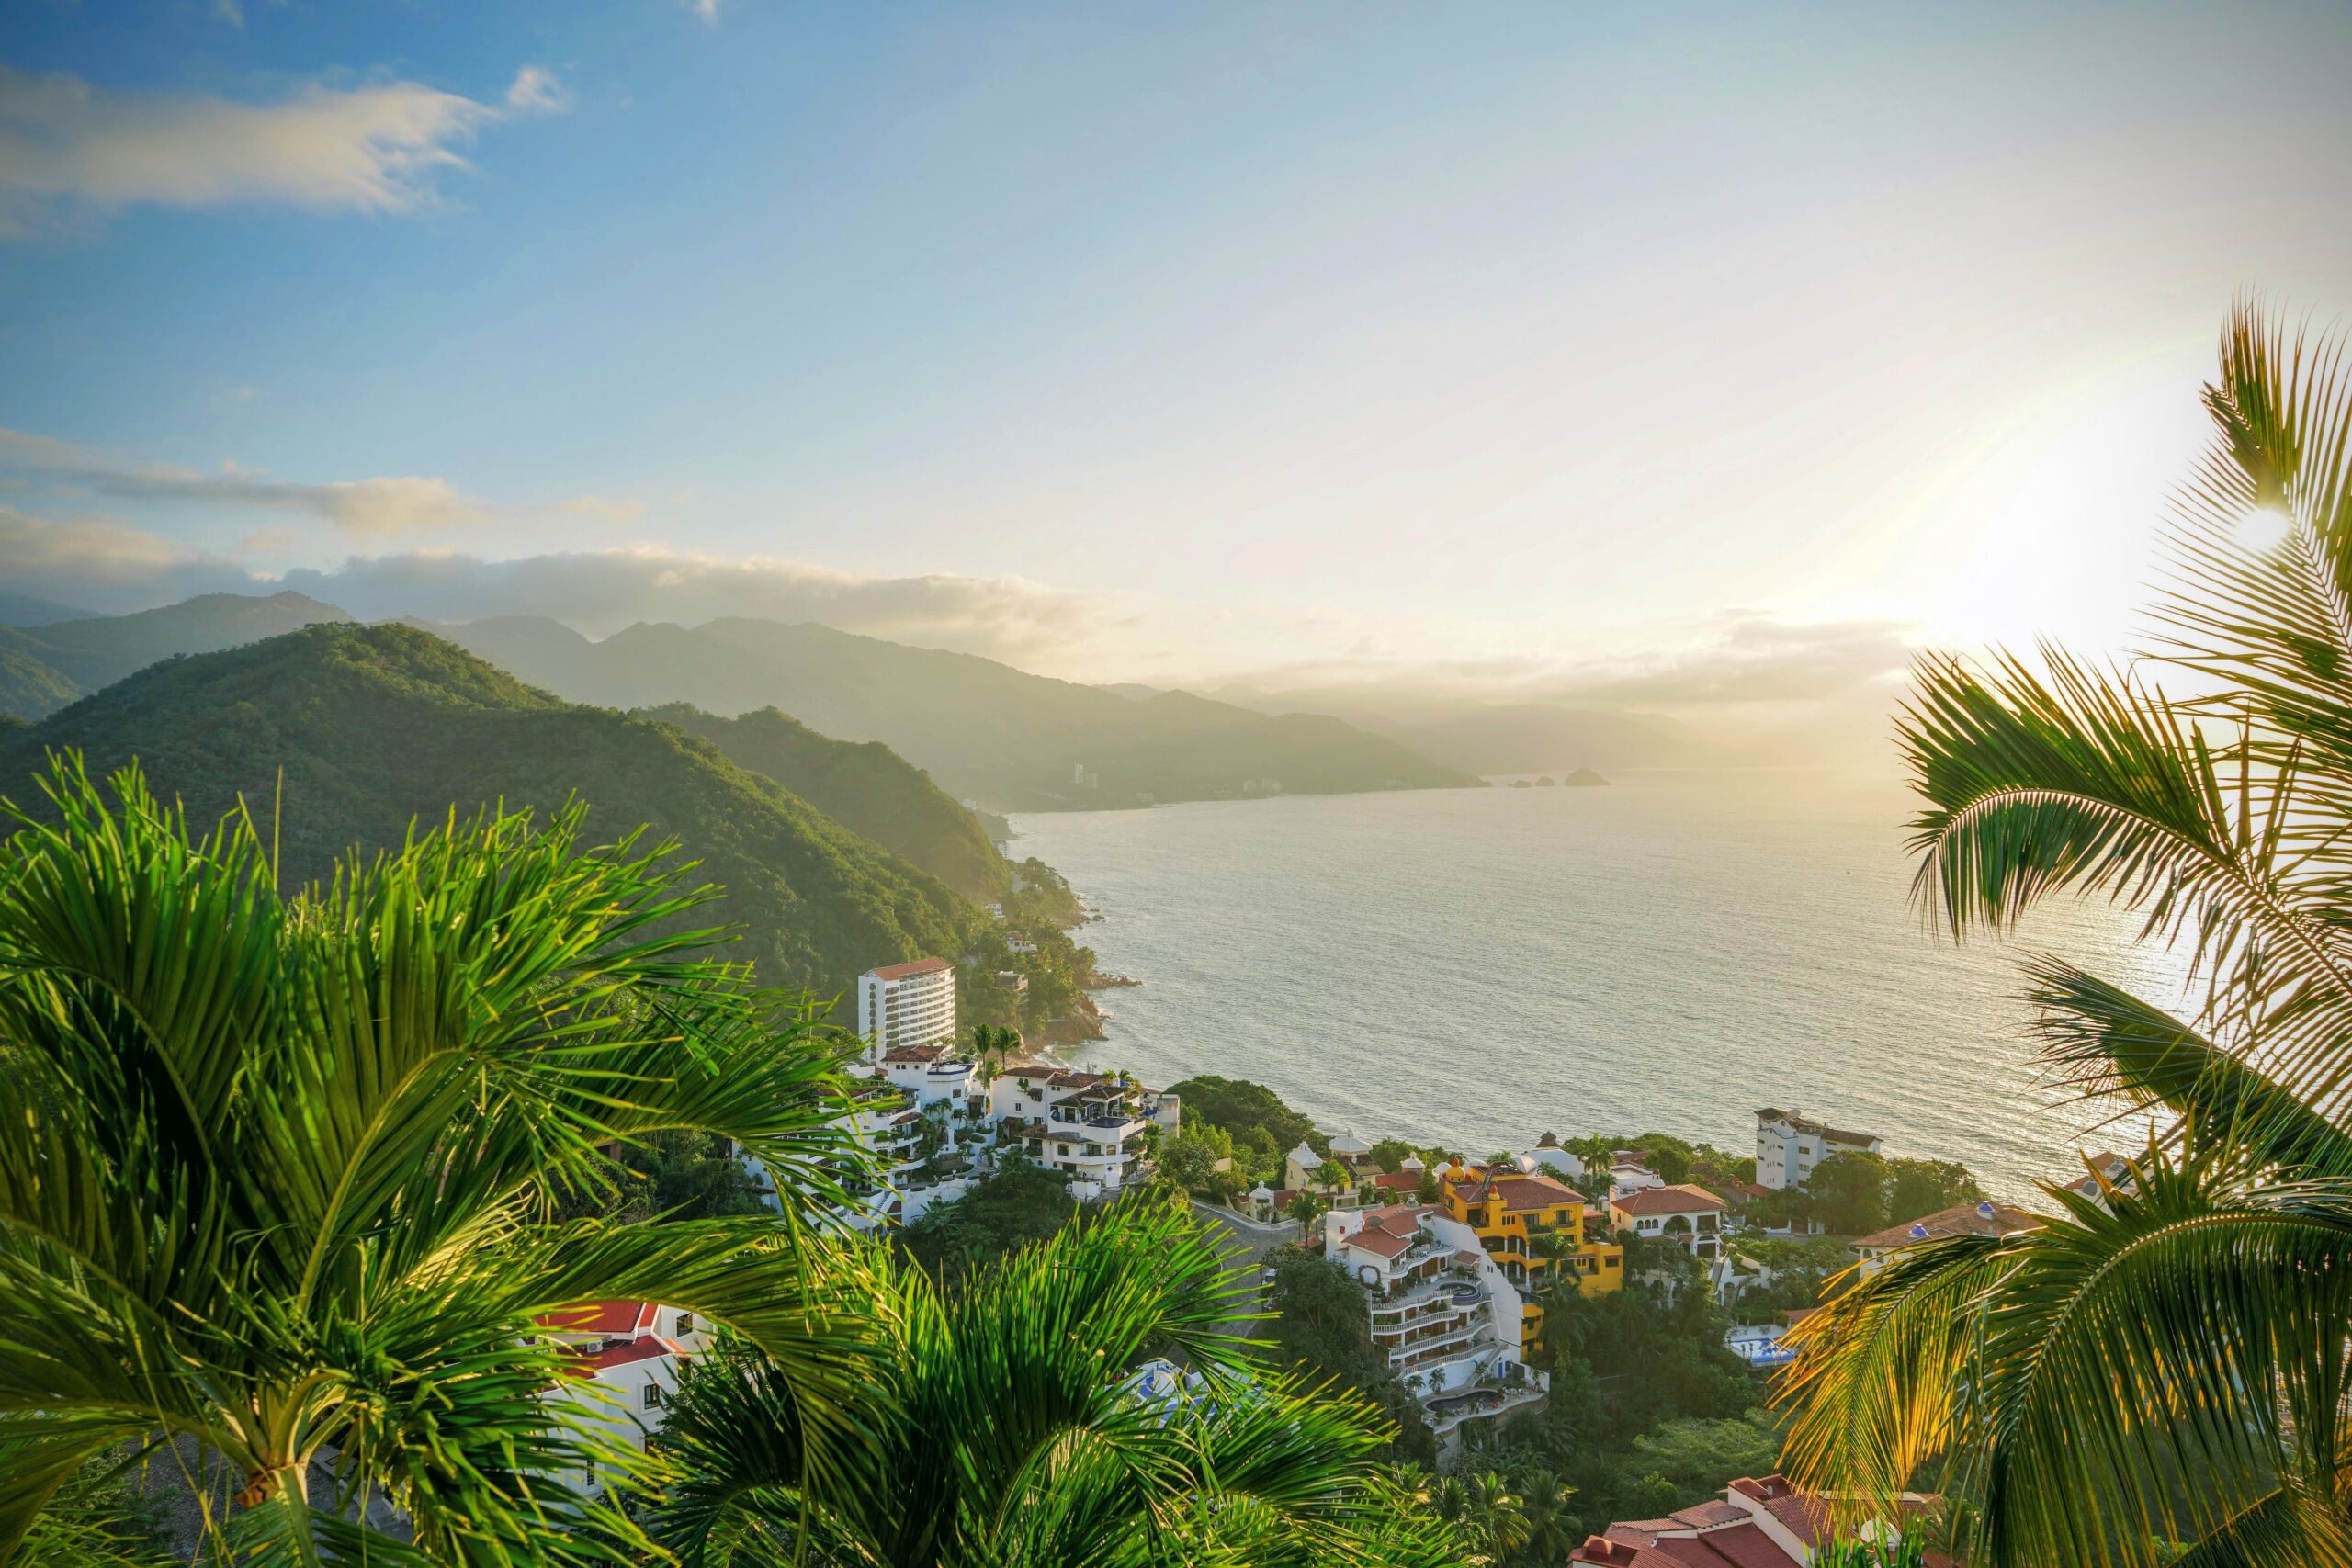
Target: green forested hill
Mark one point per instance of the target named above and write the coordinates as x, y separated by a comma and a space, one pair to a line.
375, 725
867, 787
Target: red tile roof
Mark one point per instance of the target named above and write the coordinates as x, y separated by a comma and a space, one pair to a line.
1521, 1193
620, 1353
611, 1319
909, 971
1680, 1198
913, 1052
1379, 1242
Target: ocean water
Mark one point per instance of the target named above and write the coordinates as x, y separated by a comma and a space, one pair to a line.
1473, 968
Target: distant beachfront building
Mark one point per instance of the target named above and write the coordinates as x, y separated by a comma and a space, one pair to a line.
905, 1005
1089, 1126
1787, 1146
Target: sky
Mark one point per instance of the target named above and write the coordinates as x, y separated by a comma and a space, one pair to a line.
1663, 354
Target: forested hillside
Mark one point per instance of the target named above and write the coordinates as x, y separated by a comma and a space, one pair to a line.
865, 786
379, 726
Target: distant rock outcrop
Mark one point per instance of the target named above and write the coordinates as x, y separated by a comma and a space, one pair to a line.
1584, 778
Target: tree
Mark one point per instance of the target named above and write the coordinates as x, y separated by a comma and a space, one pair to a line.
1916, 1186
1190, 1159
274, 1169
2161, 1363
1011, 1433
1332, 1177
1547, 1528
1849, 1192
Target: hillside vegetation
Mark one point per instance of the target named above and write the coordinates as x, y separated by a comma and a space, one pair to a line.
376, 726
44, 667
865, 786
1011, 741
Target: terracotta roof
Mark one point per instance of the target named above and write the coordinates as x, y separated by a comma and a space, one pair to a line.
909, 971
1806, 1517
1380, 1243
1398, 1182
621, 1354
1963, 1219
1522, 1192
913, 1052
1680, 1198
609, 1318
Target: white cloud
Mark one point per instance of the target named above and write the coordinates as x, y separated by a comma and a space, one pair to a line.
535, 91
69, 150
361, 509
92, 548
706, 9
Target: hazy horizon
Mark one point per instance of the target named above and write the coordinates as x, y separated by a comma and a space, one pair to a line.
1560, 355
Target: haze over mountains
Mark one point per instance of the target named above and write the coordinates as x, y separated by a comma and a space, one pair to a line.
987, 732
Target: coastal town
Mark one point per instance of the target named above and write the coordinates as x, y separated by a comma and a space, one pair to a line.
1458, 1261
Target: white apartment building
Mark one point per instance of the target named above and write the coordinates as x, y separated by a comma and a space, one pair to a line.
1088, 1126
1787, 1146
903, 1005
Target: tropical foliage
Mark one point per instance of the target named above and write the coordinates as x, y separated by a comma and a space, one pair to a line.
276, 1172
2161, 1366
1001, 1441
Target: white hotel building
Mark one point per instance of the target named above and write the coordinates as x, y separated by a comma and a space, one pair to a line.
902, 1006
1787, 1146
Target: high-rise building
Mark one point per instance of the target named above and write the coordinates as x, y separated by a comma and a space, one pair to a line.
907, 1004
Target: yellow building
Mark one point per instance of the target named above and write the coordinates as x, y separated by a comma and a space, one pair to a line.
1532, 1226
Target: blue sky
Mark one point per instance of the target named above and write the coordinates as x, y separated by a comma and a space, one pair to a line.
1512, 346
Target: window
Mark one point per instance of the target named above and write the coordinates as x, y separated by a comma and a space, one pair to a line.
653, 1396
685, 1324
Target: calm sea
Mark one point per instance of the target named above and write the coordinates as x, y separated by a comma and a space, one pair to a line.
1474, 968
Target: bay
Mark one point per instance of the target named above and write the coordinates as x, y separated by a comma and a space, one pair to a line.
1673, 951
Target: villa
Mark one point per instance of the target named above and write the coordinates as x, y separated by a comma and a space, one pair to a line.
1987, 1219
1095, 1128
1757, 1524
1441, 1311
1681, 1213
1535, 1229
622, 1362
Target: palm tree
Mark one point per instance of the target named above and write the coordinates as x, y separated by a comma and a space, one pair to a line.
276, 1172
1013, 1435
1549, 1533
2163, 1365
1493, 1518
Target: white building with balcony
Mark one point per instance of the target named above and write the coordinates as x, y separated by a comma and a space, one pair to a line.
1789, 1145
1091, 1126
622, 1362
1441, 1314
1690, 1216
902, 1005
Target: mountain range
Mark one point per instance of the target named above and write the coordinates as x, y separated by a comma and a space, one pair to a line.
373, 729
44, 666
989, 734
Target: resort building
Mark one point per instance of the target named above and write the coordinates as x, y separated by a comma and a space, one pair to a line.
1534, 1230
1095, 1128
1787, 1146
1681, 1213
901, 1005
1988, 1219
2106, 1171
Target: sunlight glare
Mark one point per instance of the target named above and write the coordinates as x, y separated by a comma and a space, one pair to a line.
2262, 529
